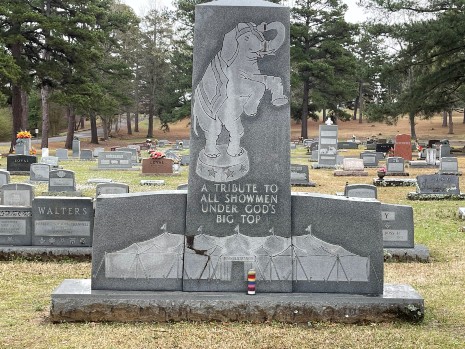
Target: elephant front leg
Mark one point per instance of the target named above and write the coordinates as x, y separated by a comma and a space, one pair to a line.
253, 100
275, 85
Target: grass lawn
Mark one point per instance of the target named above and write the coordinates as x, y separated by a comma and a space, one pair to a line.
25, 286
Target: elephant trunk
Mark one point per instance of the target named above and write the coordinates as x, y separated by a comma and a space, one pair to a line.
271, 46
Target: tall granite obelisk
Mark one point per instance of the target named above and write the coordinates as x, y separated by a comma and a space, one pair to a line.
239, 206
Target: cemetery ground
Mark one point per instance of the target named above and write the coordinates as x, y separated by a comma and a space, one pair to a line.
25, 286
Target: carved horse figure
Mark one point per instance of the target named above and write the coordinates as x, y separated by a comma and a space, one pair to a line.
233, 84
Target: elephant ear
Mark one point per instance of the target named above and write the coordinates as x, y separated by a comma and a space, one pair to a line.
230, 45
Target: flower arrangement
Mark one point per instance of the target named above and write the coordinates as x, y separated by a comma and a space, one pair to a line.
23, 134
381, 172
33, 151
382, 169
153, 154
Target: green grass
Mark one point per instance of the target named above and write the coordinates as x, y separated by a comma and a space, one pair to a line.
25, 287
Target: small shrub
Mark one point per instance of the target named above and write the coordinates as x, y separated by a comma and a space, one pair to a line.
5, 124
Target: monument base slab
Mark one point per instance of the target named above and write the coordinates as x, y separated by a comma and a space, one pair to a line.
74, 301
425, 197
394, 182
419, 253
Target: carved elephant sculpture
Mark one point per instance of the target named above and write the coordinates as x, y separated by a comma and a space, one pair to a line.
233, 84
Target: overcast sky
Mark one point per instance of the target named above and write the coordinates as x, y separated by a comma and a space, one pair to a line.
354, 14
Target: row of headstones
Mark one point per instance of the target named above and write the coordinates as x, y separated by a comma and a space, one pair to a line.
46, 221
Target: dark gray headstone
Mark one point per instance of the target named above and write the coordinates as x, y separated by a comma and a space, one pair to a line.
185, 160
20, 163
361, 191
449, 165
50, 160
300, 176
313, 146
138, 247
327, 147
398, 227
17, 194
395, 165
62, 221
61, 180
438, 184
369, 159
384, 147
114, 160
39, 173
86, 154
341, 254
76, 148
62, 154
347, 145
15, 225
239, 183
111, 188
444, 150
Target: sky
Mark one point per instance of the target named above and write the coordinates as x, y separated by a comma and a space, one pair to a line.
354, 14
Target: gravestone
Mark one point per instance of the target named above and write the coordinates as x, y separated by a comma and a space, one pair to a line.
62, 221
433, 142
395, 166
61, 181
62, 154
331, 255
4, 177
384, 147
444, 150
361, 191
233, 202
438, 184
111, 188
351, 167
162, 143
114, 160
449, 165
293, 146
369, 159
398, 227
39, 173
157, 166
403, 147
313, 146
45, 152
134, 154
50, 160
17, 194
431, 155
86, 154
98, 151
151, 257
300, 177
327, 146
347, 145
185, 160
20, 163
20, 147
76, 147
15, 225
186, 143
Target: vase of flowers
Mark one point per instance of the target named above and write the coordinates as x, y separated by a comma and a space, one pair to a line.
153, 154
24, 137
381, 172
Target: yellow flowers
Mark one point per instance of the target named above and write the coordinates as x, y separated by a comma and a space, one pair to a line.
23, 134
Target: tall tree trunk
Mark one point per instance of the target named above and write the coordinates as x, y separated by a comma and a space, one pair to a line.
150, 127
304, 115
93, 128
128, 122
16, 104
451, 124
463, 115
357, 99
25, 111
71, 116
105, 127
361, 101
444, 118
44, 92
324, 114
136, 120
81, 122
411, 118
